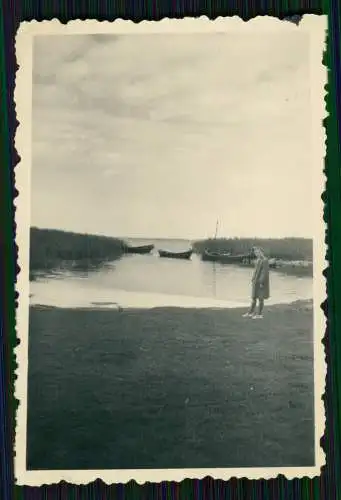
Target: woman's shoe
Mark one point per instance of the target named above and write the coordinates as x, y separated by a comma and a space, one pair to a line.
257, 316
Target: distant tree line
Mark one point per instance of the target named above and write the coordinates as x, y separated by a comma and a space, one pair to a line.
50, 248
292, 249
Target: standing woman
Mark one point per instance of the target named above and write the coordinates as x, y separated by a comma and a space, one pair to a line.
260, 285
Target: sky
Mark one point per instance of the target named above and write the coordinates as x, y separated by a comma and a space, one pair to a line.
161, 135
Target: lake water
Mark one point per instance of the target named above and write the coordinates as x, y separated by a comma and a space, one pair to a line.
149, 281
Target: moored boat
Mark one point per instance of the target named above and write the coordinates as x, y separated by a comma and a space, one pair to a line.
235, 259
176, 255
142, 249
226, 258
214, 256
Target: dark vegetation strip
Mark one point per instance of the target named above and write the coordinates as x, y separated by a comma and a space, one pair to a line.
50, 248
291, 249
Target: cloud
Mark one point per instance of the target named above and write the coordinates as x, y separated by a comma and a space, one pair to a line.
182, 128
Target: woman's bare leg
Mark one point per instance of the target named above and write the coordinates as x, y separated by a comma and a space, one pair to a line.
251, 311
260, 307
253, 306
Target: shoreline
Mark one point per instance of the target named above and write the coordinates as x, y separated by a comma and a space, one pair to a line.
304, 304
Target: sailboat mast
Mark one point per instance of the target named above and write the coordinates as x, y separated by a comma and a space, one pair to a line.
216, 229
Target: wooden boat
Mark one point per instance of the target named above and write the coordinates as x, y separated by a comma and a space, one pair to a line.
143, 249
226, 258
235, 259
214, 256
176, 255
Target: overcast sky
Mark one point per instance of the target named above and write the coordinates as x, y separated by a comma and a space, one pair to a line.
160, 135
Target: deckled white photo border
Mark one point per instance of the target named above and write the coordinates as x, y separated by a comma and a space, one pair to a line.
315, 27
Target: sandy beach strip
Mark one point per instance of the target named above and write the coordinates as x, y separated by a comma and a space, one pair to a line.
113, 299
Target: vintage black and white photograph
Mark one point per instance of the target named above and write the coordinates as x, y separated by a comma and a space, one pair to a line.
171, 246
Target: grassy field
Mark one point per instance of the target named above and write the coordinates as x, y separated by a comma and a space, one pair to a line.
170, 388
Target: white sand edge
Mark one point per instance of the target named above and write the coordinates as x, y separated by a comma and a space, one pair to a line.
141, 300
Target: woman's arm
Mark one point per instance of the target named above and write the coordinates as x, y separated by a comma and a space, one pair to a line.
256, 272
264, 272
